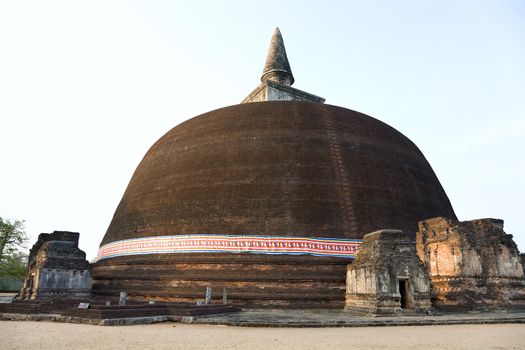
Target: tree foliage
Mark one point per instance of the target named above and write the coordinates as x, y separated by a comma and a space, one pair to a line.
14, 266
12, 238
13, 259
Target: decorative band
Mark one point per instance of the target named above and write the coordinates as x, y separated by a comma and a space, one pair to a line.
334, 247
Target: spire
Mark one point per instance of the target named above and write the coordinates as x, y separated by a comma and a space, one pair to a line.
277, 77
277, 67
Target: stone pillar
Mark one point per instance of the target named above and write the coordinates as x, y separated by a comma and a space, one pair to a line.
207, 299
122, 298
224, 296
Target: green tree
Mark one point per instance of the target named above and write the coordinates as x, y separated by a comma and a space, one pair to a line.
12, 238
13, 258
14, 266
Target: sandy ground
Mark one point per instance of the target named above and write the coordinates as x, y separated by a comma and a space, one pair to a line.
48, 335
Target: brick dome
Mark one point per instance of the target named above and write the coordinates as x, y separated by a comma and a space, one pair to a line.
279, 168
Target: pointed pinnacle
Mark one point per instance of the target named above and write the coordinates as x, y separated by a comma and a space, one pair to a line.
277, 68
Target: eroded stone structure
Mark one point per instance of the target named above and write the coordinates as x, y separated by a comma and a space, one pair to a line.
57, 268
471, 264
387, 276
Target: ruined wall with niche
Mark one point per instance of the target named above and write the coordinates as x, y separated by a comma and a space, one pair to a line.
387, 276
471, 264
57, 268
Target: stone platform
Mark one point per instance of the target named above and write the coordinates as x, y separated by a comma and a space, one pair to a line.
279, 318
333, 318
68, 310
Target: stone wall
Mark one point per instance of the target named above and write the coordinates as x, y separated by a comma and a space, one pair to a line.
471, 264
56, 268
387, 277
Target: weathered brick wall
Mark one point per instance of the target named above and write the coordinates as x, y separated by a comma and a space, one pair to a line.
471, 263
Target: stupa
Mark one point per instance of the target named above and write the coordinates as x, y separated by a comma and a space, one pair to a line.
268, 199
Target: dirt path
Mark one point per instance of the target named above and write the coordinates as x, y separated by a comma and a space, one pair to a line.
48, 335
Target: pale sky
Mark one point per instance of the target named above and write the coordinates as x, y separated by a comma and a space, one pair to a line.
86, 87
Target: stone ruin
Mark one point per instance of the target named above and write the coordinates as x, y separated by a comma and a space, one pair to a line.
387, 277
58, 284
57, 268
471, 264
